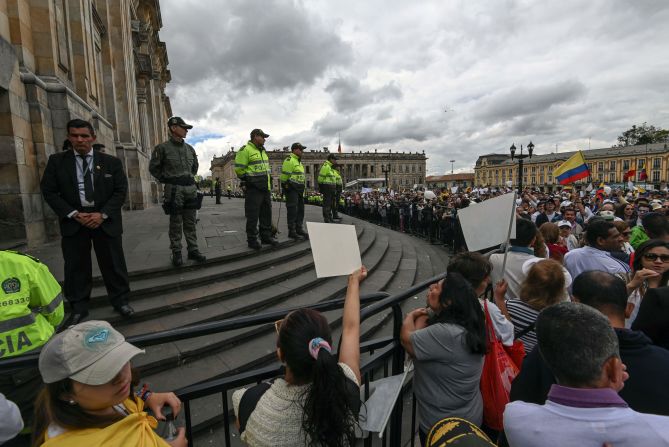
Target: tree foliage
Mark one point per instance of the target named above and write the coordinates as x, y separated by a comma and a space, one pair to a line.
643, 134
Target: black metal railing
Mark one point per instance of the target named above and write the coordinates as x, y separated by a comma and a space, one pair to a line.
388, 360
385, 355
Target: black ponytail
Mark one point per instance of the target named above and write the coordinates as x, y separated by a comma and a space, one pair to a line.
462, 307
329, 405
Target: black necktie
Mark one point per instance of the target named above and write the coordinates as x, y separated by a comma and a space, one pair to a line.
88, 181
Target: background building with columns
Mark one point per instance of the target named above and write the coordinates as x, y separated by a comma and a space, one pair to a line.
607, 165
403, 169
99, 60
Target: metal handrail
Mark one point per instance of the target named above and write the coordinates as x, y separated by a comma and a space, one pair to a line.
197, 330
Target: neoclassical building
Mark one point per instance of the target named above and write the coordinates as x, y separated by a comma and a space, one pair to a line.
404, 170
99, 60
462, 180
607, 165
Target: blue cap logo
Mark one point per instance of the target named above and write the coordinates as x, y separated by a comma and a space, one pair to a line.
98, 337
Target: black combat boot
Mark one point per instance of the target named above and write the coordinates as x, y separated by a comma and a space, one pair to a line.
301, 232
177, 261
196, 256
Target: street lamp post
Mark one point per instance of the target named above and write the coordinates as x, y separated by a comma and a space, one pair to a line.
386, 170
452, 161
521, 157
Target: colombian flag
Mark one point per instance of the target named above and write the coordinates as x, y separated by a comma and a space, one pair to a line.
571, 170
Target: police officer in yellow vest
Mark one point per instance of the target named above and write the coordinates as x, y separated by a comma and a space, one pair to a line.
174, 163
293, 185
338, 190
253, 169
327, 185
31, 308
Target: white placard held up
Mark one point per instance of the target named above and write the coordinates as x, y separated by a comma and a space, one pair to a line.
487, 224
335, 249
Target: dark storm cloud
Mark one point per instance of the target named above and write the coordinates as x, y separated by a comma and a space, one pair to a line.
252, 45
350, 94
520, 101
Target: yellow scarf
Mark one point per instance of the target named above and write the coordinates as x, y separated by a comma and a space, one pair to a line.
136, 429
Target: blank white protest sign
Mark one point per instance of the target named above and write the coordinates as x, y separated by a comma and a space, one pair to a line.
335, 249
486, 224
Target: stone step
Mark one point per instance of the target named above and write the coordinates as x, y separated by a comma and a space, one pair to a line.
160, 358
208, 411
148, 309
211, 407
158, 280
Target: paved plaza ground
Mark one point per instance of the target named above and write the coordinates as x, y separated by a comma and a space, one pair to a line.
220, 231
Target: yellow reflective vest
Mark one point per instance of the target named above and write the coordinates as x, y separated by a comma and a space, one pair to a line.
292, 172
327, 176
252, 166
31, 304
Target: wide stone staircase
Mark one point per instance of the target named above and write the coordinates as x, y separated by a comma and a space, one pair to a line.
243, 282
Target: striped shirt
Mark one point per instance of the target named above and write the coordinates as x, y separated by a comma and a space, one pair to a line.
522, 316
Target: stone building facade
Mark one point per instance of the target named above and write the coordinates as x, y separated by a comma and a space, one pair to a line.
99, 60
607, 165
462, 180
404, 170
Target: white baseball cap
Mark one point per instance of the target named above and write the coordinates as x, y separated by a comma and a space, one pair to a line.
91, 352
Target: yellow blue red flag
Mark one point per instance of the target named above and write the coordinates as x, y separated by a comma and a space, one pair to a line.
571, 170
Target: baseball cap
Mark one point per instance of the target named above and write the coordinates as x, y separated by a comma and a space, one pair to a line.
259, 132
656, 206
564, 223
297, 146
565, 203
91, 352
178, 121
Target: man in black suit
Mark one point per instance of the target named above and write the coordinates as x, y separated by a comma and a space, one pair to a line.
86, 189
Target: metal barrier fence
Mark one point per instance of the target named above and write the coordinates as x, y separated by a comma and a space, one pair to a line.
384, 353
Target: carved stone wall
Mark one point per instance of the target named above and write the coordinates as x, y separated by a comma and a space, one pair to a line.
99, 60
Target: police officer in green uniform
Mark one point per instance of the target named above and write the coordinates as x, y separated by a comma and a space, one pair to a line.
293, 185
174, 163
253, 169
31, 308
327, 184
339, 187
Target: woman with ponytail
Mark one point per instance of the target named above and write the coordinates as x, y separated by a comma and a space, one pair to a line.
316, 403
448, 350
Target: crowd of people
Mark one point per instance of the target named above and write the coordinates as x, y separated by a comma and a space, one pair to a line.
578, 300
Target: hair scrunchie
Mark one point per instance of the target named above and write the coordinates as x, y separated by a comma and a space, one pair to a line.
316, 344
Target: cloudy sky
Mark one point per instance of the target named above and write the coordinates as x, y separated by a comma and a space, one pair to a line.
454, 78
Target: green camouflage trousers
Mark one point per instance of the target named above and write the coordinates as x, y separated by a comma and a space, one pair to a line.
181, 220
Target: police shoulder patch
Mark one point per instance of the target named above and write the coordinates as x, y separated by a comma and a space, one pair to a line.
11, 285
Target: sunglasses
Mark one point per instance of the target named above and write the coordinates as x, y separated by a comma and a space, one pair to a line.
654, 256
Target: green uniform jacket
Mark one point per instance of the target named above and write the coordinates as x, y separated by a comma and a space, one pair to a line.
327, 177
31, 304
339, 181
292, 172
252, 166
173, 159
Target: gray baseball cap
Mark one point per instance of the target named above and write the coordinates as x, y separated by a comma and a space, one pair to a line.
91, 352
